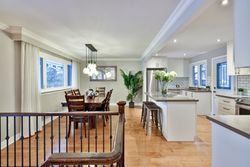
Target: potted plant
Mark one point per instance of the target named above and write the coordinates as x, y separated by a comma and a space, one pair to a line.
164, 78
240, 91
133, 83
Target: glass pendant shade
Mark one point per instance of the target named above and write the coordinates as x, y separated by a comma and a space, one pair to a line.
91, 60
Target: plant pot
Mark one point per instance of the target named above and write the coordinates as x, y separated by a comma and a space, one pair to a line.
131, 104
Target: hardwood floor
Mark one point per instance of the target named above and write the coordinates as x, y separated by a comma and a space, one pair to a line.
140, 150
155, 151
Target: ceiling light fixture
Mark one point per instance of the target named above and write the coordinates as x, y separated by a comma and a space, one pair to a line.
185, 54
218, 40
224, 2
175, 40
91, 60
156, 54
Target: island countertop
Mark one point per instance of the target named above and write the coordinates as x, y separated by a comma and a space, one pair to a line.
171, 97
239, 124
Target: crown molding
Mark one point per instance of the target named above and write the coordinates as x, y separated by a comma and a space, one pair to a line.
3, 26
19, 33
42, 40
117, 59
182, 12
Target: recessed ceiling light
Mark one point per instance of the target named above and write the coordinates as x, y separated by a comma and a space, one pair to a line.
175, 40
224, 2
156, 54
185, 54
218, 40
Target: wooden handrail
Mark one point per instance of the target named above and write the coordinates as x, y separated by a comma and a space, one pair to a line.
91, 158
78, 113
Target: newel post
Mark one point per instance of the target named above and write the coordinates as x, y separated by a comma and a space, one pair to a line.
121, 107
121, 110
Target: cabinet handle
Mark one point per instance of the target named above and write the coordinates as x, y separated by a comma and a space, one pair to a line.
225, 108
226, 101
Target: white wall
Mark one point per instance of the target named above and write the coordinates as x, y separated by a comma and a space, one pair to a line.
10, 83
120, 92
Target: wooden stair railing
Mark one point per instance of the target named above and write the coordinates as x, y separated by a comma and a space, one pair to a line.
95, 158
39, 147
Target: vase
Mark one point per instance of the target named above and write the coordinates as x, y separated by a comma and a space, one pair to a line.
164, 88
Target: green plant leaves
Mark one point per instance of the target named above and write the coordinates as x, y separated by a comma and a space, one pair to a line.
133, 83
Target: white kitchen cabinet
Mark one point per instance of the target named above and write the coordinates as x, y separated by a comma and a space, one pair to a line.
226, 106
241, 33
230, 59
180, 66
231, 70
204, 104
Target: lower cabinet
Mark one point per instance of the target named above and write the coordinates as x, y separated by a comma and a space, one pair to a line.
226, 106
204, 104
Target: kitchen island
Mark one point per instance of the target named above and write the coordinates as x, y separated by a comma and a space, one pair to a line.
178, 116
230, 140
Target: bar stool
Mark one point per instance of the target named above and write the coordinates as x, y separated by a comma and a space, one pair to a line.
143, 107
155, 112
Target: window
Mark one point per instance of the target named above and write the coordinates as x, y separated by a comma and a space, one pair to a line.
223, 80
69, 74
55, 73
199, 74
195, 75
203, 74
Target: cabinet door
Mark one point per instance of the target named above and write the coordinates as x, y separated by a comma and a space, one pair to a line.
241, 33
230, 59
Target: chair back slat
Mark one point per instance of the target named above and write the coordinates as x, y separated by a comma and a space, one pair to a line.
77, 92
101, 91
69, 93
75, 103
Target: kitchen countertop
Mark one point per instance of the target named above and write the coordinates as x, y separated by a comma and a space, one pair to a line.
171, 97
239, 124
230, 95
202, 90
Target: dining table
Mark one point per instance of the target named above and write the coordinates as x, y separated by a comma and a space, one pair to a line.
91, 104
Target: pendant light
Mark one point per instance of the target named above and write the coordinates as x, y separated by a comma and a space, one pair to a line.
91, 60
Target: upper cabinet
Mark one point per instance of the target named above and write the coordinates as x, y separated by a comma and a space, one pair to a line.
231, 60
241, 33
180, 66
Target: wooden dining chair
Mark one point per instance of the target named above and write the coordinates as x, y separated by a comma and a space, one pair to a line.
101, 91
77, 92
76, 103
107, 106
69, 93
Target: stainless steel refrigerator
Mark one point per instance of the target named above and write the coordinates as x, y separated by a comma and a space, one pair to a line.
152, 85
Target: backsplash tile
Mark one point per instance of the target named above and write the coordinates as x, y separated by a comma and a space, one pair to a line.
182, 81
244, 82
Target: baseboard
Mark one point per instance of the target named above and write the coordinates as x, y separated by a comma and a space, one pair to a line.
11, 141
48, 120
136, 104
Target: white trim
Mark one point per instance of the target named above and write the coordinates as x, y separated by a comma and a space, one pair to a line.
127, 103
48, 120
184, 9
32, 35
3, 26
117, 59
11, 140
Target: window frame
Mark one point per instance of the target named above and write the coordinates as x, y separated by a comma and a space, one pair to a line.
218, 86
48, 57
198, 64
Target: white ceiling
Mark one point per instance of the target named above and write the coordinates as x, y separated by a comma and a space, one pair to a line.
116, 28
200, 34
